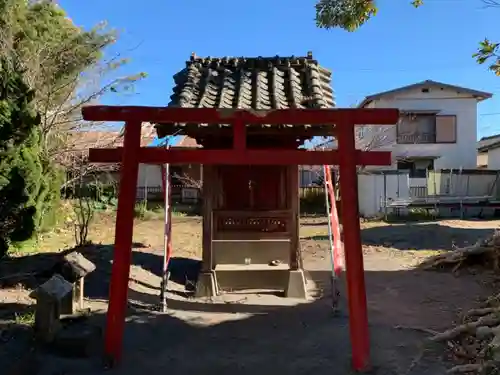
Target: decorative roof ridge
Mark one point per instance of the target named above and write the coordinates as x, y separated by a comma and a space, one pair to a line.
232, 62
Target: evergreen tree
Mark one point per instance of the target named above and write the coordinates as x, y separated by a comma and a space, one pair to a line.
18, 127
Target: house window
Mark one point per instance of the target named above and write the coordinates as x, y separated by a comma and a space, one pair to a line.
427, 128
416, 168
417, 129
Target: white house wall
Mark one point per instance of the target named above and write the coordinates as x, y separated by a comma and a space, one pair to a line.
375, 189
460, 154
149, 176
493, 158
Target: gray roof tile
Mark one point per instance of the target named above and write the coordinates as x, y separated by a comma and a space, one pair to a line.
257, 83
261, 83
486, 143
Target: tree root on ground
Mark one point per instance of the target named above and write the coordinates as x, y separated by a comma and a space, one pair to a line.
484, 252
421, 329
470, 327
475, 342
479, 368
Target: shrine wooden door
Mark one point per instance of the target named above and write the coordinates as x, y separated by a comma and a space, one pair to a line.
253, 187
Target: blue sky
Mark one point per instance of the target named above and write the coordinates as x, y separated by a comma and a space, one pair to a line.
400, 46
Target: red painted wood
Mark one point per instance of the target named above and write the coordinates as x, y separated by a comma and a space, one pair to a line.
345, 116
358, 315
251, 187
334, 221
234, 180
123, 243
267, 186
239, 135
160, 155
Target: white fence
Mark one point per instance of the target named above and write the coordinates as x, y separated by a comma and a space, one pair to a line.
375, 189
379, 190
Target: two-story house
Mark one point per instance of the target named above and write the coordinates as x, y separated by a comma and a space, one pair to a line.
437, 128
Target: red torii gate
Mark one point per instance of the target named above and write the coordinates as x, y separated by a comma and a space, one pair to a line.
347, 157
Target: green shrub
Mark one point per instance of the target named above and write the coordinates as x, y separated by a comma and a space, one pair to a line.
24, 189
140, 210
312, 201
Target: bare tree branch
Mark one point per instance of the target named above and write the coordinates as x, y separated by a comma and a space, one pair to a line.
189, 181
491, 3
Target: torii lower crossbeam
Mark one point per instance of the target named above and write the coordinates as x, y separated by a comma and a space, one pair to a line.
347, 157
159, 155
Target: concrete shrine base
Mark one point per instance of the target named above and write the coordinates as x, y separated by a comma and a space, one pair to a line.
236, 277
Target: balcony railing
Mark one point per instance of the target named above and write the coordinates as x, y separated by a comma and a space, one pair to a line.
417, 138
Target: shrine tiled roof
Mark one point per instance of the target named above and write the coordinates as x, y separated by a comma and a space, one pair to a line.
261, 83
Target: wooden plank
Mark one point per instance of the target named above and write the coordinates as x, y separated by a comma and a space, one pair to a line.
209, 180
251, 267
262, 251
258, 236
294, 205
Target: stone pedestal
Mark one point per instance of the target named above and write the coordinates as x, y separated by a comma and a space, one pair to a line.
74, 268
49, 297
296, 287
206, 285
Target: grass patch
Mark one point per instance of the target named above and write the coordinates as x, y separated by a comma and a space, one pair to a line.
413, 215
25, 319
145, 211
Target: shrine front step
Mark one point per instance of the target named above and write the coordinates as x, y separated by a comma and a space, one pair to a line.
238, 277
260, 252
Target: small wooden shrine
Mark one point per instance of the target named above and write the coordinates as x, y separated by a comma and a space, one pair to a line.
249, 115
251, 212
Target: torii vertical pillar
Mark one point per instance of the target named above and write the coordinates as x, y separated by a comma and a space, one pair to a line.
122, 253
358, 315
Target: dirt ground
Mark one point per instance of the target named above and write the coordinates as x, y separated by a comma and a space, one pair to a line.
243, 333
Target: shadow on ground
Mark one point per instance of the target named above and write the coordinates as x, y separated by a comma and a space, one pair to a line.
422, 236
301, 339
30, 271
417, 236
255, 333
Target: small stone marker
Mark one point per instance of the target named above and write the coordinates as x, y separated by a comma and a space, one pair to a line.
49, 297
76, 266
74, 269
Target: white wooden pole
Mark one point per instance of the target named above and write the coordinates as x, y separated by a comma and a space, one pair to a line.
167, 234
